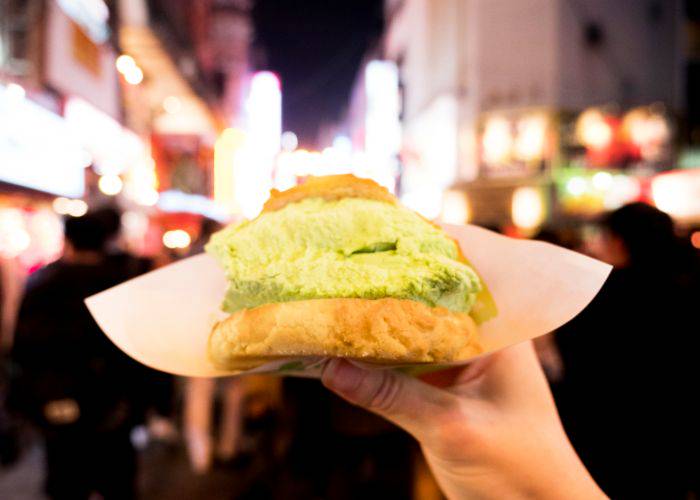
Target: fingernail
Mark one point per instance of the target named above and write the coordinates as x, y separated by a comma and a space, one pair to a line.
342, 376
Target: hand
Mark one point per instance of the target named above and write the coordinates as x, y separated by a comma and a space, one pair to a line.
488, 430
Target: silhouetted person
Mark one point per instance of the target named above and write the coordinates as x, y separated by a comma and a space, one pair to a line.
158, 387
630, 378
79, 389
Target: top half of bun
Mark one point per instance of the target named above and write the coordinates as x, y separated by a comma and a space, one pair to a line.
331, 187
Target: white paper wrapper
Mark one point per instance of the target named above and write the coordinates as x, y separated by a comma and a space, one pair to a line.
163, 318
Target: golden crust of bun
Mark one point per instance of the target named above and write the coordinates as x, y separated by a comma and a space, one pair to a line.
383, 330
331, 187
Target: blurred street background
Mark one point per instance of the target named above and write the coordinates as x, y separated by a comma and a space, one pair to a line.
130, 130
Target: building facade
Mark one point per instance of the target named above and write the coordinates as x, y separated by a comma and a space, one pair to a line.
469, 66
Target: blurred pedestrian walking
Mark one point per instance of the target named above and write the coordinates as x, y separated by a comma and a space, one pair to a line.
81, 391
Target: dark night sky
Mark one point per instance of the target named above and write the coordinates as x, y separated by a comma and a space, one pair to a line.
315, 46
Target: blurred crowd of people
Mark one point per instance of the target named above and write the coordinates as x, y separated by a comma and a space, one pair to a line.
622, 374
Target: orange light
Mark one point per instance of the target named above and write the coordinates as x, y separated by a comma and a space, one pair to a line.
695, 239
455, 207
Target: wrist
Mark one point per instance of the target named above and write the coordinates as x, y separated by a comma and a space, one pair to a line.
563, 476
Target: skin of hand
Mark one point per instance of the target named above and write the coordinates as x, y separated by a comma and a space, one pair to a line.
489, 429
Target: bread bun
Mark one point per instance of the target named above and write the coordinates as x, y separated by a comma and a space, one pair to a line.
383, 330
388, 330
331, 187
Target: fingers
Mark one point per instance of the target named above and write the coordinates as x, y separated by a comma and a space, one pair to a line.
408, 402
511, 377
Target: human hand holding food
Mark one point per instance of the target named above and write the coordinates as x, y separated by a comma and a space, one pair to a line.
488, 430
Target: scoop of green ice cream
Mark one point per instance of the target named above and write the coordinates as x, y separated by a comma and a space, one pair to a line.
339, 249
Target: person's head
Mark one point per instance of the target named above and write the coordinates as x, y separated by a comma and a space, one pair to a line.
110, 218
637, 234
84, 234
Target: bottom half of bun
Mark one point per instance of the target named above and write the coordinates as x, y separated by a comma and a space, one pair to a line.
392, 331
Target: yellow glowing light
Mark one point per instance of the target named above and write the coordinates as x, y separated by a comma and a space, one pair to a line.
134, 75
176, 238
530, 139
602, 181
455, 208
227, 146
110, 184
527, 208
61, 205
592, 129
125, 63
497, 140
172, 104
77, 208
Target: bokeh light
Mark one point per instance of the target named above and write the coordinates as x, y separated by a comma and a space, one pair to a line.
176, 238
110, 185
289, 141
527, 208
592, 130
455, 207
497, 140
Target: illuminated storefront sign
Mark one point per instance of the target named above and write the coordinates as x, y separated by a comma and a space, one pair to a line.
255, 162
101, 135
226, 150
382, 125
177, 201
74, 63
37, 148
429, 156
91, 15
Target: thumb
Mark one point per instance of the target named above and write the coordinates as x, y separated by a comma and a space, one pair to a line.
409, 403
